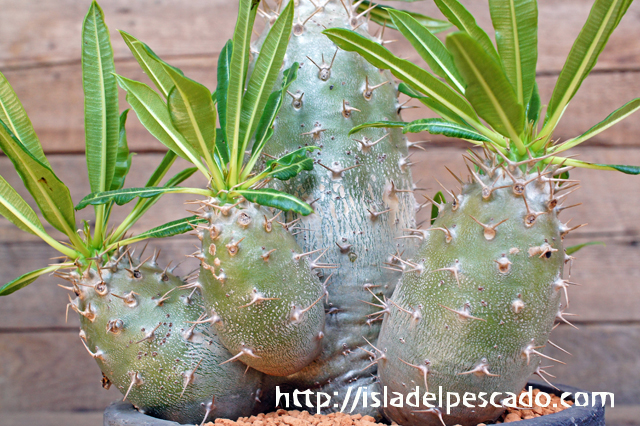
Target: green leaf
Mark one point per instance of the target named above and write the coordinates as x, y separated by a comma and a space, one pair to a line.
272, 198
380, 15
573, 249
100, 100
377, 124
25, 280
290, 165
626, 169
12, 113
123, 158
149, 65
405, 70
534, 106
237, 74
170, 229
438, 198
464, 21
488, 89
224, 70
603, 19
180, 177
222, 148
123, 196
51, 195
430, 48
437, 126
433, 105
613, 118
154, 116
271, 110
162, 169
263, 77
17, 211
193, 114
516, 25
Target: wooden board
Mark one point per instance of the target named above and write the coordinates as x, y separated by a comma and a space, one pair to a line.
609, 274
48, 32
50, 371
605, 358
55, 372
57, 112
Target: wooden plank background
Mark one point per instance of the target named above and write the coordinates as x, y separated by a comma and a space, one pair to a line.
44, 367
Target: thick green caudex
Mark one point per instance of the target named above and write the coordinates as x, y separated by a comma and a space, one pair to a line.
137, 318
263, 304
360, 188
477, 302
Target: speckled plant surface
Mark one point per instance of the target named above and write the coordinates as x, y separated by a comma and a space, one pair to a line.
361, 187
138, 320
477, 302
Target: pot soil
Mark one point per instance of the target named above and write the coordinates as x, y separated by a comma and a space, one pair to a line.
124, 414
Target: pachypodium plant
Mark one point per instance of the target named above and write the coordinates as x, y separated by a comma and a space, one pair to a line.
477, 302
138, 320
259, 288
361, 188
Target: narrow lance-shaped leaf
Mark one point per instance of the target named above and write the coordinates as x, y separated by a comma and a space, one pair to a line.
603, 19
516, 25
150, 66
571, 250
153, 115
534, 106
224, 71
123, 157
488, 89
170, 229
412, 74
430, 48
435, 210
238, 70
265, 125
100, 100
123, 196
272, 198
626, 169
51, 195
464, 21
193, 114
377, 124
263, 77
380, 15
436, 126
17, 211
12, 113
613, 118
290, 165
432, 104
25, 280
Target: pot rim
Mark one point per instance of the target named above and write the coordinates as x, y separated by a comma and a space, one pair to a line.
121, 413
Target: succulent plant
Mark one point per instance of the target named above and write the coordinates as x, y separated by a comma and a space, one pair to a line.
258, 286
361, 189
138, 320
477, 302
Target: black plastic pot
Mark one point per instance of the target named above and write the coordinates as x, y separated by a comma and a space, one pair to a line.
124, 414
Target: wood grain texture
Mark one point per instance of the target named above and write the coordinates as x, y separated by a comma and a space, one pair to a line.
53, 98
605, 358
609, 275
48, 32
51, 371
45, 368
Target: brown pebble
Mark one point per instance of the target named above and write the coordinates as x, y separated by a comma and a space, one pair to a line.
512, 417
